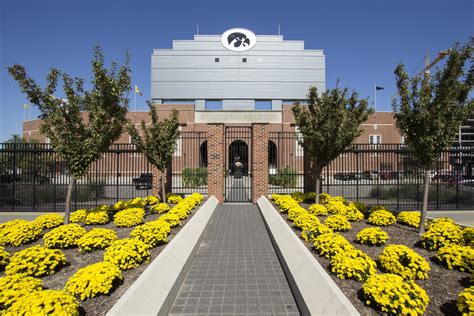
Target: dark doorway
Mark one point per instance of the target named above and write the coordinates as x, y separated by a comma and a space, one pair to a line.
238, 150
203, 154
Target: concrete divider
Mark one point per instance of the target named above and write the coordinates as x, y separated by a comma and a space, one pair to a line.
314, 290
154, 291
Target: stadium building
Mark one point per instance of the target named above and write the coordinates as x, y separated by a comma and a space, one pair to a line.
234, 93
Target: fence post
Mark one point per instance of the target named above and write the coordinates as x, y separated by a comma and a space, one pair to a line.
117, 172
358, 177
14, 175
35, 154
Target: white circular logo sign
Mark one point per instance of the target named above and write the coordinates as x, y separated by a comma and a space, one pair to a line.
238, 39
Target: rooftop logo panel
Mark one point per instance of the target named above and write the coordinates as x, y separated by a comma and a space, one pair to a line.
238, 39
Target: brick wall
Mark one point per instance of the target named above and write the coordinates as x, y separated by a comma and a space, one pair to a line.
215, 178
260, 161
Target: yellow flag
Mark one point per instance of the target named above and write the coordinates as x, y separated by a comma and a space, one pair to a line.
26, 106
138, 90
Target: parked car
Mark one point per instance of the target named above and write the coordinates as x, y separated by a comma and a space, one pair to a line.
447, 178
343, 176
389, 175
144, 182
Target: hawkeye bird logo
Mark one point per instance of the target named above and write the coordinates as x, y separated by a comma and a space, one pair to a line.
238, 39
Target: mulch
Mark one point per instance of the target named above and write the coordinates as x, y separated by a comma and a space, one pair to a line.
442, 285
99, 305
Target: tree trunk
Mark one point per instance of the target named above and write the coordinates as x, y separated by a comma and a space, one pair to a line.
67, 212
317, 175
163, 194
424, 207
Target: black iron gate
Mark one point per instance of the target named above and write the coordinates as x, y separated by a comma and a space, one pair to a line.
238, 162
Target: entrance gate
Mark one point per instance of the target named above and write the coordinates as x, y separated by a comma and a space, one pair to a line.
238, 162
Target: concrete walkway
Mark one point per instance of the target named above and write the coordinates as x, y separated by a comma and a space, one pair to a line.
465, 218
236, 270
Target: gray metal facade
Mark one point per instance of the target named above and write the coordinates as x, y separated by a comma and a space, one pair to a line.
275, 69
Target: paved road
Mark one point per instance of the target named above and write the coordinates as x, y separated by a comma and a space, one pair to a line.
236, 270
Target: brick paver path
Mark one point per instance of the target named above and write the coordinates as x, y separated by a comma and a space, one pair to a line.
236, 270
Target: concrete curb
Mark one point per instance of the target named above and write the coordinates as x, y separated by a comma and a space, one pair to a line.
155, 289
314, 290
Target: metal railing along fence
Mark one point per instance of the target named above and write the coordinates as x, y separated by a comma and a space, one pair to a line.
377, 174
33, 177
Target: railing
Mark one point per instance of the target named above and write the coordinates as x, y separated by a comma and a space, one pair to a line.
377, 174
34, 177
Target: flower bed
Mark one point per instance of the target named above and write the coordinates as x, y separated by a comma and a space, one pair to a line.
95, 280
430, 267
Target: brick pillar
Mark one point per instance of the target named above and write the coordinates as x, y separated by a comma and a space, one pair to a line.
259, 161
215, 167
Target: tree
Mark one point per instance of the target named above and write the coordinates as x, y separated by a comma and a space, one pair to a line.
158, 141
429, 111
84, 123
329, 123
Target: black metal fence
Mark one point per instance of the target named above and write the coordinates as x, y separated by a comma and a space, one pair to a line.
377, 174
34, 177
189, 166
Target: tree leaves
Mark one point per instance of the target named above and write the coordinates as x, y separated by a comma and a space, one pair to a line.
429, 111
330, 122
158, 141
85, 123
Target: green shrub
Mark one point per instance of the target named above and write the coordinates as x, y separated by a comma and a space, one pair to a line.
297, 196
194, 177
286, 177
445, 194
309, 197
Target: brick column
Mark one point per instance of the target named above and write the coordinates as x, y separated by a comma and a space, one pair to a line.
215, 167
259, 161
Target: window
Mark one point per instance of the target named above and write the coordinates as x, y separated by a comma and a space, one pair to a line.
213, 104
177, 101
375, 139
263, 104
216, 60
293, 102
244, 60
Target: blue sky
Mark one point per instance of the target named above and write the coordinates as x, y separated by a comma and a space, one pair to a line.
363, 40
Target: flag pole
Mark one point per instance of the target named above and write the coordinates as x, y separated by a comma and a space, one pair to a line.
375, 98
135, 90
